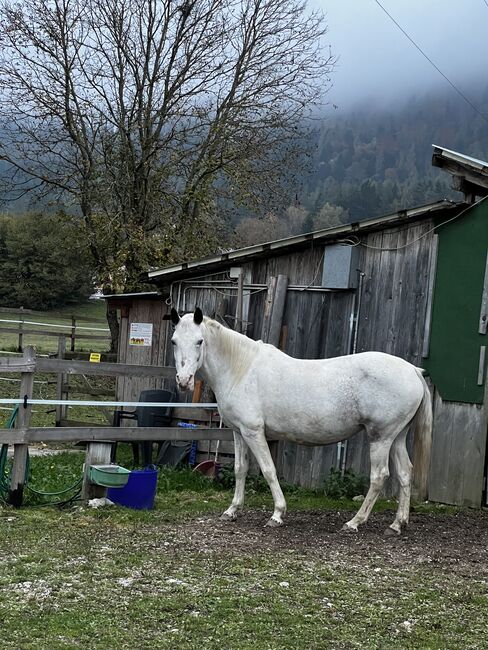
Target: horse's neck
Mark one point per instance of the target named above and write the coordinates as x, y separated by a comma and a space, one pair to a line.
228, 356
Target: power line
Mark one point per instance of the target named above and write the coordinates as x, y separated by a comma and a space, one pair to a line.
459, 92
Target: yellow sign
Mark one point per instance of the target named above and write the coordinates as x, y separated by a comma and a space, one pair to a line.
95, 357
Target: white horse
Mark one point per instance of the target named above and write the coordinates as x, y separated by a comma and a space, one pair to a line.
260, 390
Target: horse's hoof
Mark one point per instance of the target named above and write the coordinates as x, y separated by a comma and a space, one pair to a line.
349, 529
225, 516
391, 532
273, 523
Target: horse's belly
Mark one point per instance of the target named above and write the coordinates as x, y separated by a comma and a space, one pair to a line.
312, 440
309, 430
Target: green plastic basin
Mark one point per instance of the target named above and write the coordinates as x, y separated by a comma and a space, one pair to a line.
108, 475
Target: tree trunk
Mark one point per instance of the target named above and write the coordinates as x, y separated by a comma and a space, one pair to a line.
113, 323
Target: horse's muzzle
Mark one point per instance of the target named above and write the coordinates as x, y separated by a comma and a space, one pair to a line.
185, 384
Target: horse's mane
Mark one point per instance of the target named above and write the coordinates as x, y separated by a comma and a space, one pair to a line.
239, 350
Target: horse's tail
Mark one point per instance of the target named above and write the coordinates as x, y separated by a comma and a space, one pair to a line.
422, 430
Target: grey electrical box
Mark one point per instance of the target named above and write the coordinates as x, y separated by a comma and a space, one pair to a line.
340, 267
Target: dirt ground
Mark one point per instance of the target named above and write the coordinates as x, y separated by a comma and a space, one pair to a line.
457, 543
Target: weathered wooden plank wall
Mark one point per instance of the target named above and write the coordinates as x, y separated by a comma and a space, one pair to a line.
143, 311
458, 453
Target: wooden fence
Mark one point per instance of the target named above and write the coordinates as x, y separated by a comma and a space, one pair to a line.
99, 439
25, 326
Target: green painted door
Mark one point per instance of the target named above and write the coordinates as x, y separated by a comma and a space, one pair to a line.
455, 342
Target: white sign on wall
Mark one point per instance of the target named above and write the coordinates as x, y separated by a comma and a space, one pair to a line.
141, 334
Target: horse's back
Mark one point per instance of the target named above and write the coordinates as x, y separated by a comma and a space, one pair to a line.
340, 395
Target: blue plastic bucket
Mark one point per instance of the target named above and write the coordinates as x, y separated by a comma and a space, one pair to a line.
139, 492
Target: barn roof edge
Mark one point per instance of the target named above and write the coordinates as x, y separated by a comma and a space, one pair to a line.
295, 241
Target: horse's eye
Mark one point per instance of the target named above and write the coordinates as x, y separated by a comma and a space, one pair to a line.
200, 342
173, 342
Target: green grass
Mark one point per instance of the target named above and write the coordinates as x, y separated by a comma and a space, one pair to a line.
45, 384
119, 578
45, 388
49, 344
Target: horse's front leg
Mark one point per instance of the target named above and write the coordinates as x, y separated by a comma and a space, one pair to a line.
257, 443
241, 467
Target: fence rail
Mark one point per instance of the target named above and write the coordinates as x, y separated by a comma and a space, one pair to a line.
99, 439
33, 312
110, 434
71, 330
23, 331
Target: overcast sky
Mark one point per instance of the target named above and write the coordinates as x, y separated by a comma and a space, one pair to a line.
376, 61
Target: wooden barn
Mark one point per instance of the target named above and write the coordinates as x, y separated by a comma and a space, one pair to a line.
413, 284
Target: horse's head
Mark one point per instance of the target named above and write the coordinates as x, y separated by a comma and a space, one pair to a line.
188, 347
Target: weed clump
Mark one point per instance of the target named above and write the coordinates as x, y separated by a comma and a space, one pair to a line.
344, 486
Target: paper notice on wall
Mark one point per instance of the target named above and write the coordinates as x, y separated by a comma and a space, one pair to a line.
141, 334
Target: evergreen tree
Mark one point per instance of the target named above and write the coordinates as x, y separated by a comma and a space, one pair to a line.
44, 263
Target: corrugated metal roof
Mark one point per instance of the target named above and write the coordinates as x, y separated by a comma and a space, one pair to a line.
241, 254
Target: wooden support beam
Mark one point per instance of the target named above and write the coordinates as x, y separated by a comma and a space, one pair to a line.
74, 367
25, 331
240, 303
99, 433
274, 310
73, 333
97, 453
17, 364
20, 346
19, 465
60, 391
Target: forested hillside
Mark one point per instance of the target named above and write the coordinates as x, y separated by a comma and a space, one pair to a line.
371, 161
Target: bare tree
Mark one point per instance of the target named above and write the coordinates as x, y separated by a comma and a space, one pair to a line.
150, 117
256, 230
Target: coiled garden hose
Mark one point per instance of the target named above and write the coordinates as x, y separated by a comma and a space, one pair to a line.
5, 475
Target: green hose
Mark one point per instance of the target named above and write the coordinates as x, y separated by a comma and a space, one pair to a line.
5, 474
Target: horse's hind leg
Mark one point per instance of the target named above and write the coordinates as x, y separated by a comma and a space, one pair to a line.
379, 452
241, 467
403, 470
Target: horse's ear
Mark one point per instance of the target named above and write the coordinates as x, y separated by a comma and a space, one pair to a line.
175, 319
197, 316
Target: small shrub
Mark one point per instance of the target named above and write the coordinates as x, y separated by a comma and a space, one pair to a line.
255, 483
227, 481
348, 486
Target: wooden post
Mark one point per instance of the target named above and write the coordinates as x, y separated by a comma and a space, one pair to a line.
274, 309
268, 308
19, 464
73, 333
273, 318
240, 302
21, 328
60, 410
97, 453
